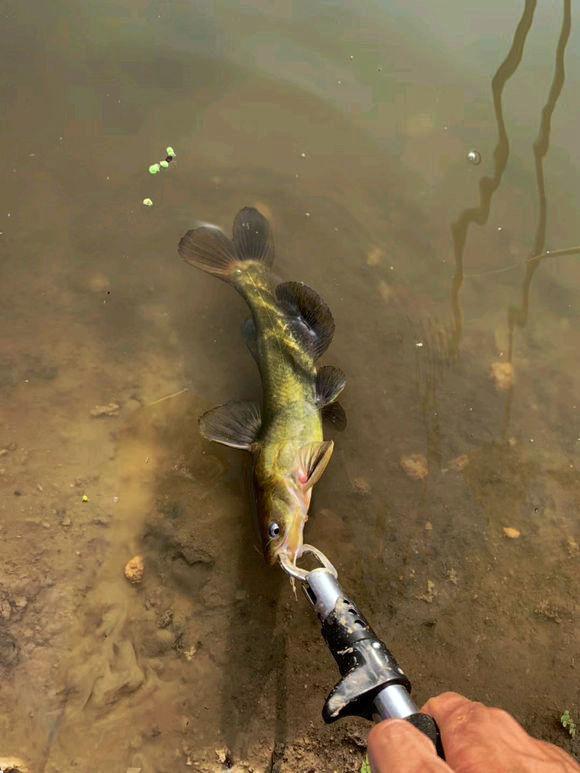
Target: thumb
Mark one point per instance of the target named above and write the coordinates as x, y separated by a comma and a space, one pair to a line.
395, 746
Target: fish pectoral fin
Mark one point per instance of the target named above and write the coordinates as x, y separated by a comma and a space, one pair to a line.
313, 459
235, 424
330, 382
251, 337
334, 413
309, 316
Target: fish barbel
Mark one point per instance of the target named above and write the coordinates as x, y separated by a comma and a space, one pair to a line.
289, 328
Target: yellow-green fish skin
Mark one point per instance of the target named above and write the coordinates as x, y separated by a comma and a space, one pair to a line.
290, 416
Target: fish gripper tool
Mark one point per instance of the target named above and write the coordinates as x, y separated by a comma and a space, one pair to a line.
372, 684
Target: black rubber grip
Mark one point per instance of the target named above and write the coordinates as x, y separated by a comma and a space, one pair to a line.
427, 725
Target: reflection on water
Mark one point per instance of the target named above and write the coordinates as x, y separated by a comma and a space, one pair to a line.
362, 118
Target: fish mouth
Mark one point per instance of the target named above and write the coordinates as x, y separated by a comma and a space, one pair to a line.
290, 550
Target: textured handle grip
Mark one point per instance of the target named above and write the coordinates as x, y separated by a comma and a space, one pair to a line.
427, 725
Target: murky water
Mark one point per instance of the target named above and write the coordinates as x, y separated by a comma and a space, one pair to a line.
455, 290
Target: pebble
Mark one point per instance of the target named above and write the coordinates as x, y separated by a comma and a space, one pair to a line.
362, 486
134, 569
13, 765
110, 409
66, 521
502, 374
460, 462
511, 533
415, 465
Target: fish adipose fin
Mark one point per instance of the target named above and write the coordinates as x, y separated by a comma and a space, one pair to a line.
251, 337
234, 424
330, 382
210, 249
313, 459
335, 415
310, 317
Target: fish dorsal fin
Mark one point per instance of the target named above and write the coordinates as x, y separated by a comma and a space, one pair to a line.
335, 415
330, 382
313, 459
234, 424
253, 237
251, 337
311, 318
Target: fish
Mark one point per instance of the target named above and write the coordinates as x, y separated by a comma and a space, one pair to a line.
288, 330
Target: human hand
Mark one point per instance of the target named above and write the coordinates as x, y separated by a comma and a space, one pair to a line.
476, 739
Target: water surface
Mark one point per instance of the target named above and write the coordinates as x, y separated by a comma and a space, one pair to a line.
350, 129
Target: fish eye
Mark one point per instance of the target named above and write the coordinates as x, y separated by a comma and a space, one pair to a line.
274, 530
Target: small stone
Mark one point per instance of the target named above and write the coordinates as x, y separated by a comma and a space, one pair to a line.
46, 524
415, 465
134, 569
362, 486
511, 533
98, 283
502, 374
13, 765
5, 610
572, 546
110, 409
21, 602
452, 576
375, 256
428, 526
66, 521
430, 593
84, 498
224, 757
460, 462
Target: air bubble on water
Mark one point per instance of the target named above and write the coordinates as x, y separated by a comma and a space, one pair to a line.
351, 57
307, 214
303, 155
474, 157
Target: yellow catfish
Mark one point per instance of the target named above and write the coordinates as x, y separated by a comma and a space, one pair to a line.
290, 327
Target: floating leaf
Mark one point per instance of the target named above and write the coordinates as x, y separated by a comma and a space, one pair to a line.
170, 152
154, 168
164, 164
148, 202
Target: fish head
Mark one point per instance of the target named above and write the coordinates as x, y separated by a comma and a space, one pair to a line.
283, 494
282, 512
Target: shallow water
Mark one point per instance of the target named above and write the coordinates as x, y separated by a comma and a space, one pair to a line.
350, 129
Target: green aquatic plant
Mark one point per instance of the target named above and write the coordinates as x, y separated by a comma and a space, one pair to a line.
164, 164
568, 723
154, 168
366, 766
170, 152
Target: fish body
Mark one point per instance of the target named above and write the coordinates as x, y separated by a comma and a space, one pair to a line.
289, 328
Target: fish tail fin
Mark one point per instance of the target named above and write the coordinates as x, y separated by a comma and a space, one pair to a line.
209, 249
